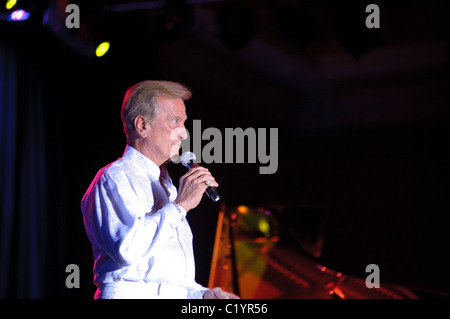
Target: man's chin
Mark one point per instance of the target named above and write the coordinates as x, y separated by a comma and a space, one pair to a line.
174, 154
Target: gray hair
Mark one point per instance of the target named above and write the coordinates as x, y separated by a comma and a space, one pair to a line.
140, 99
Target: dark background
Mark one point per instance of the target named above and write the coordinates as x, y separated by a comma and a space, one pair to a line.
362, 116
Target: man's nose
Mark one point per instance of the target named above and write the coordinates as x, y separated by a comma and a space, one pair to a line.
183, 133
180, 133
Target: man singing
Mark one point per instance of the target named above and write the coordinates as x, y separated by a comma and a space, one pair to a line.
134, 216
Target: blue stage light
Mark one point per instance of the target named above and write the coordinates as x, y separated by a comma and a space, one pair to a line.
18, 15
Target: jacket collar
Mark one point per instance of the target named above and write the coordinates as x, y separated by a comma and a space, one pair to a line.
143, 163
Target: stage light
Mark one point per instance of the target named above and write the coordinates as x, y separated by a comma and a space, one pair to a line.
18, 15
10, 4
264, 226
102, 49
242, 209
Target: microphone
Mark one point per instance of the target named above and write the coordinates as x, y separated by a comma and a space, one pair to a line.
187, 159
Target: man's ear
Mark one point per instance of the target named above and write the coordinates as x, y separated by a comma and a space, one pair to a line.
141, 125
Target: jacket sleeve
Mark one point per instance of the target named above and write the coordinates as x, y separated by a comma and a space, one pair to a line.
196, 291
120, 225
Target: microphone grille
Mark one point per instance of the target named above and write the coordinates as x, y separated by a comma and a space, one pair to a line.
187, 157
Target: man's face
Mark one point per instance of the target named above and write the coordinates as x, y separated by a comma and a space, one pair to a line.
168, 129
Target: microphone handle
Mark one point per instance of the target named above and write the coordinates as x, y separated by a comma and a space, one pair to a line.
211, 191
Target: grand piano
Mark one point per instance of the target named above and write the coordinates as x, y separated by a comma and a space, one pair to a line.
253, 260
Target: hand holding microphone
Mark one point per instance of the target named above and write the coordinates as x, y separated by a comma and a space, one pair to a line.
194, 183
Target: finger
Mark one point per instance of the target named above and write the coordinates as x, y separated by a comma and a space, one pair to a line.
195, 172
220, 293
200, 175
208, 180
